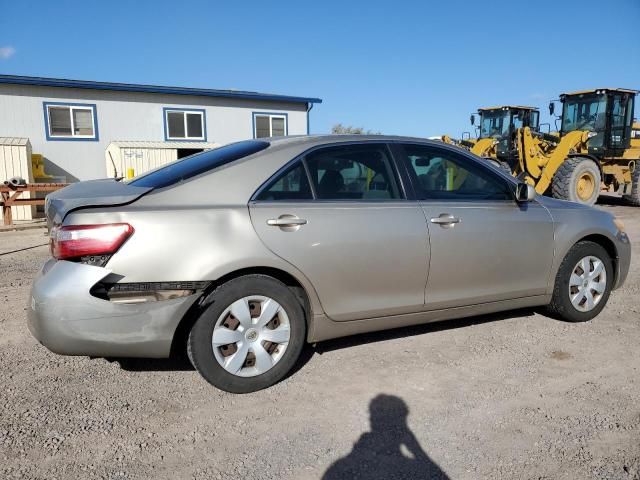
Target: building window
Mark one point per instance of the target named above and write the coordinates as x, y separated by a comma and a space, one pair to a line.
184, 124
269, 125
65, 121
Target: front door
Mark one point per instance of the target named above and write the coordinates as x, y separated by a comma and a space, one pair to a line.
485, 247
621, 121
350, 231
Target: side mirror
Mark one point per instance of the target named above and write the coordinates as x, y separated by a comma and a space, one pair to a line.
525, 192
472, 119
552, 108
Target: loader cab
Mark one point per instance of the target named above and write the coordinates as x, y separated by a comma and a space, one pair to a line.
607, 113
502, 123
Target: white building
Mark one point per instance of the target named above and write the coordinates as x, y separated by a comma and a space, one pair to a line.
72, 122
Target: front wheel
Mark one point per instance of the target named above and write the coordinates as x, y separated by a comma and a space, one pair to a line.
577, 180
583, 283
250, 336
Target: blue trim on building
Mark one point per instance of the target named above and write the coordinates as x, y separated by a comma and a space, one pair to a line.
180, 109
96, 135
129, 87
278, 114
309, 108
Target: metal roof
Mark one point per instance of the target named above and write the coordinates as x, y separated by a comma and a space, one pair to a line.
14, 141
508, 107
151, 144
623, 90
130, 87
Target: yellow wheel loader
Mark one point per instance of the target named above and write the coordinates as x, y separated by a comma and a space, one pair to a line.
497, 133
598, 148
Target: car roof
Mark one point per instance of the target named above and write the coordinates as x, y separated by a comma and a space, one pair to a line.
313, 140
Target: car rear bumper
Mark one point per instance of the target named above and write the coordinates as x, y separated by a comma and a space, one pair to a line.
67, 319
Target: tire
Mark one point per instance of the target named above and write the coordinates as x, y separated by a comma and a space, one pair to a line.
503, 166
248, 336
577, 180
561, 305
634, 198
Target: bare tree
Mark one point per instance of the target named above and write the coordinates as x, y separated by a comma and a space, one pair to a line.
340, 129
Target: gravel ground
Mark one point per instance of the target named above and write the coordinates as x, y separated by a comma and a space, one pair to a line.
516, 395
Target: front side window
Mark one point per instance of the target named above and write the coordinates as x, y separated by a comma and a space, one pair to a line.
269, 125
70, 121
353, 172
184, 124
517, 119
588, 113
534, 120
584, 112
494, 123
441, 175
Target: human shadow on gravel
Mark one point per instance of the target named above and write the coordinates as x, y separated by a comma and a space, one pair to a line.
389, 451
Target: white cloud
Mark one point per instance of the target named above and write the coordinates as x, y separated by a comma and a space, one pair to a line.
6, 52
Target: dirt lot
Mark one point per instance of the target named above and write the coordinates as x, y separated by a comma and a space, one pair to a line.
517, 395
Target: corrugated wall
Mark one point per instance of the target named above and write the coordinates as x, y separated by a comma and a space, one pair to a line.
140, 159
15, 161
145, 156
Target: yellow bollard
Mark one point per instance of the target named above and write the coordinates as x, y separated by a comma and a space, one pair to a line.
130, 173
451, 171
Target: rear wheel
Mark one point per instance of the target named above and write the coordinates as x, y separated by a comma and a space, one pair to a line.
250, 336
634, 197
583, 283
577, 180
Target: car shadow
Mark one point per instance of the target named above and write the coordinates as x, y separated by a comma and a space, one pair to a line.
389, 450
401, 332
180, 362
610, 200
177, 363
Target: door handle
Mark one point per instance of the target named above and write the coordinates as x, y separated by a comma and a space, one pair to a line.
445, 220
286, 221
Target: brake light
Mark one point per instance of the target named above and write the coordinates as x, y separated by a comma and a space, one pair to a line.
75, 241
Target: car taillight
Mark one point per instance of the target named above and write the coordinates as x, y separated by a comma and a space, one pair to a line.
75, 241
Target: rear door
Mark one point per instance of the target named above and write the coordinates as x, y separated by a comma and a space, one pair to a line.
340, 216
485, 247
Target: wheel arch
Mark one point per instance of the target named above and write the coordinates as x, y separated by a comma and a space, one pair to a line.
606, 243
181, 334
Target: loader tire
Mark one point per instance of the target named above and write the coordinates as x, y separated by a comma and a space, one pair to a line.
503, 166
577, 180
634, 197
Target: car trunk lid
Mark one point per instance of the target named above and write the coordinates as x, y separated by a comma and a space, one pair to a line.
91, 193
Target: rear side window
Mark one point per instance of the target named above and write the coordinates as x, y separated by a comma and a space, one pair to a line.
353, 172
193, 165
291, 185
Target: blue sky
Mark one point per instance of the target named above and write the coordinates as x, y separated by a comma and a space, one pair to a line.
402, 67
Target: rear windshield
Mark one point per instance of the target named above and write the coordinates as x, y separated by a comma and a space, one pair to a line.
199, 163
